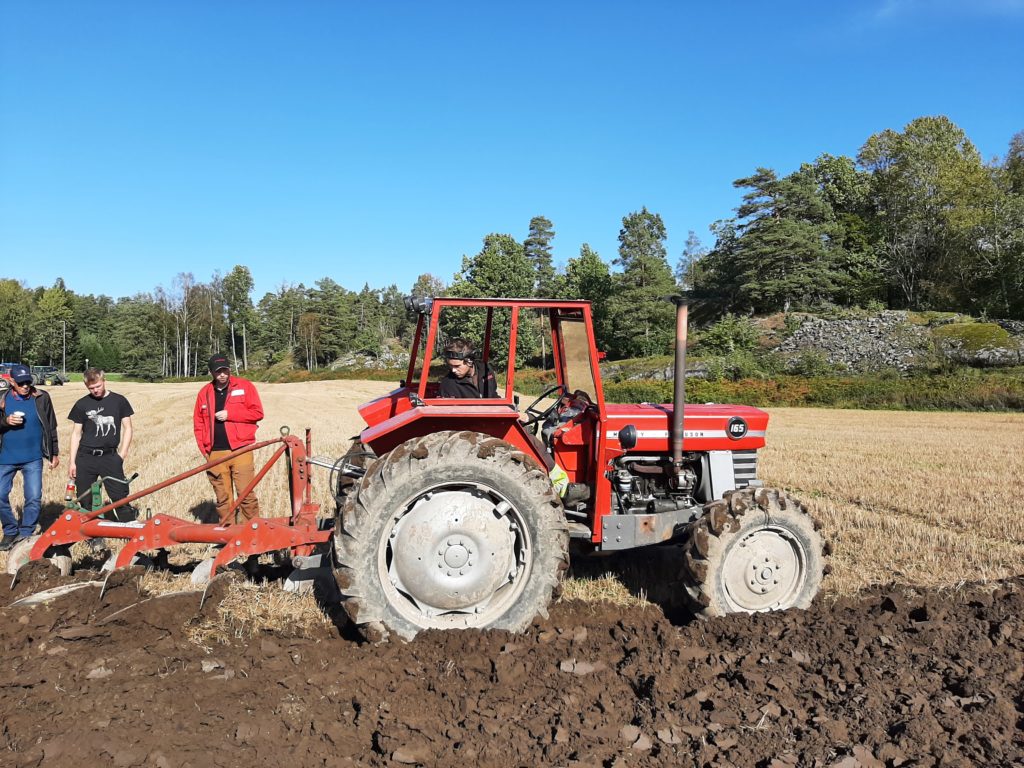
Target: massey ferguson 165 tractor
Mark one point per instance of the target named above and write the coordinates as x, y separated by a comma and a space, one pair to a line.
457, 513
449, 516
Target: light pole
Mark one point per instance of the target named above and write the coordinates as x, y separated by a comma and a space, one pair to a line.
64, 348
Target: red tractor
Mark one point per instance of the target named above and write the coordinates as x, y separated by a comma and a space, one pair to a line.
459, 513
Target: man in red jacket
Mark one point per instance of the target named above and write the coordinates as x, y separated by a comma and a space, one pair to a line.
225, 418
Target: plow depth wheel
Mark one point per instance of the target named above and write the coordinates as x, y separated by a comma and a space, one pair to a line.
452, 530
755, 550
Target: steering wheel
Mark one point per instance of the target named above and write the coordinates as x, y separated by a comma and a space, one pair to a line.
534, 415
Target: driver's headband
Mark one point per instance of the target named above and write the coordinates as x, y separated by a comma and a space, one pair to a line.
451, 354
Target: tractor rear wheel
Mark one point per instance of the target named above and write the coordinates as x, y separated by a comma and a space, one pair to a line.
754, 550
450, 531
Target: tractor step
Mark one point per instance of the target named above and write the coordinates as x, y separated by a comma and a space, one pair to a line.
579, 531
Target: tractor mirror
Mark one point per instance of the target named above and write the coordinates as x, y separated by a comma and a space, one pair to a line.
515, 401
627, 437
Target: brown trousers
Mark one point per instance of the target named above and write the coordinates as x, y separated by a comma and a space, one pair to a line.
239, 471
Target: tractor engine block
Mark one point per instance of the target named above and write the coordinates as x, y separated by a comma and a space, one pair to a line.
647, 484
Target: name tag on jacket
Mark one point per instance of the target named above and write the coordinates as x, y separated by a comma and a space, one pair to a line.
237, 392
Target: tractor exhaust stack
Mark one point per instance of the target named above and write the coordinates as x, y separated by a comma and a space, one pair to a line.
679, 394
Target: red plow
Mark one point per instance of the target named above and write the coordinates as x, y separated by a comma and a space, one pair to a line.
303, 538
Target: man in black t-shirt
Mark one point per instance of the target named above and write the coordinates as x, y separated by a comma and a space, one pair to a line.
100, 440
465, 380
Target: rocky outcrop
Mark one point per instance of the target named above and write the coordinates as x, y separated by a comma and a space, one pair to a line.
386, 359
890, 340
886, 340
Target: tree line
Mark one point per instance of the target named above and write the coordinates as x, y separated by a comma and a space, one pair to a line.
917, 220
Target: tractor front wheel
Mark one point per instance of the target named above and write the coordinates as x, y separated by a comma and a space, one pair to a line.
755, 550
449, 531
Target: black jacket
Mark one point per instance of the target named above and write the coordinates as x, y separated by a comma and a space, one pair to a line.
44, 407
470, 386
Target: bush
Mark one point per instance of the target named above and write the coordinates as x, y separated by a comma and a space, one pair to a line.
728, 335
739, 364
812, 362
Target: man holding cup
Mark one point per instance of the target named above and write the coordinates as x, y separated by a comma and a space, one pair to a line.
28, 435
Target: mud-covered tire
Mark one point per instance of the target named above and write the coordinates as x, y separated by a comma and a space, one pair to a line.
755, 550
451, 530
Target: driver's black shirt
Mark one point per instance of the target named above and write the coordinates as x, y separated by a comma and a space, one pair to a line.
467, 387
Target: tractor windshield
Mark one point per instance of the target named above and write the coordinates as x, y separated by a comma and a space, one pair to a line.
575, 352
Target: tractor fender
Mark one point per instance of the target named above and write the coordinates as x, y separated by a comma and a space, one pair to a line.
501, 422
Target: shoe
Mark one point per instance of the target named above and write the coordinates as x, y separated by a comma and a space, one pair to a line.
576, 493
8, 541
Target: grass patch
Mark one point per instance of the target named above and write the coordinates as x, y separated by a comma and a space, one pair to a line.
249, 610
974, 337
76, 376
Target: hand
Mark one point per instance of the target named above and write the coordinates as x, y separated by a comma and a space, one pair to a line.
16, 420
54, 462
72, 470
221, 415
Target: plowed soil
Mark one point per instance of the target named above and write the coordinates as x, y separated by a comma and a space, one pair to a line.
897, 676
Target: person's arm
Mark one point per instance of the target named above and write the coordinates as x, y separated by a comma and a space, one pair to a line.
76, 438
249, 410
51, 421
200, 424
126, 437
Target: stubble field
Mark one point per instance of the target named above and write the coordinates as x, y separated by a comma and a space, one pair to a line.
928, 499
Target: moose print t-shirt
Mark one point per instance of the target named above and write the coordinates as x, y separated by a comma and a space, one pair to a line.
101, 419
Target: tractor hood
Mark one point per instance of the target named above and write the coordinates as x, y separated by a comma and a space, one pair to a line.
705, 427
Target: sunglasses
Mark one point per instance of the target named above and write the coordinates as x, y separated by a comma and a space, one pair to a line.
23, 383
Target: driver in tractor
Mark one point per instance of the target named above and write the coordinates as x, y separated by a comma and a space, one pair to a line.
465, 380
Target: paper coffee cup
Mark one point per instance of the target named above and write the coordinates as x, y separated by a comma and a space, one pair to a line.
19, 413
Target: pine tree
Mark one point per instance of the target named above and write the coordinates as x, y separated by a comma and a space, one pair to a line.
537, 248
639, 312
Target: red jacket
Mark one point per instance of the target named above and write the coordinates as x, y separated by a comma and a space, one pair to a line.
244, 412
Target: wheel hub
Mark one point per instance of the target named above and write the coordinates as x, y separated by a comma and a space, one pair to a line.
453, 550
456, 554
763, 570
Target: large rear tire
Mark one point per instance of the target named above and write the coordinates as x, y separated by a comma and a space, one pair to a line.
754, 550
453, 530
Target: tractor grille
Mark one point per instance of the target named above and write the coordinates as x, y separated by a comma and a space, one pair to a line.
744, 467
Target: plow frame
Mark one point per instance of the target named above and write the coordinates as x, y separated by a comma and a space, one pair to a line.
299, 532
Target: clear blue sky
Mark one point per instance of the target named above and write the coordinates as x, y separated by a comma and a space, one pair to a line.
372, 141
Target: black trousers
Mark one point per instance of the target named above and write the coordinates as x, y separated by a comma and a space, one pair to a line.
89, 467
